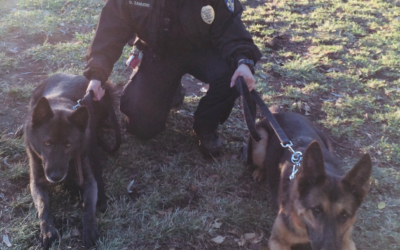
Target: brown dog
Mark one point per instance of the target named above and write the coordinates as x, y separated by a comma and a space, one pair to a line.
319, 205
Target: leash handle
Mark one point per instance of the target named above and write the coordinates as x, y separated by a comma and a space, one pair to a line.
241, 86
248, 107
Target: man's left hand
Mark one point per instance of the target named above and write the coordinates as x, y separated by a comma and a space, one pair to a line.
244, 70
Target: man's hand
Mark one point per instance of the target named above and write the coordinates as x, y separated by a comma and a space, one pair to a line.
244, 70
98, 91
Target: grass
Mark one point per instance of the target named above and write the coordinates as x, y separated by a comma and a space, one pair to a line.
340, 60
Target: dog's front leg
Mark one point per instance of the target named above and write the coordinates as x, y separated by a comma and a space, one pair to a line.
279, 235
90, 232
348, 243
40, 196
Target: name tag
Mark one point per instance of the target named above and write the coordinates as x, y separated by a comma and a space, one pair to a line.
148, 4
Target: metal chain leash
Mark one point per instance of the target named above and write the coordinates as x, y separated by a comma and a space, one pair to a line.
297, 156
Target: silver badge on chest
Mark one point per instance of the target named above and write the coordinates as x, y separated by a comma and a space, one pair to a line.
207, 14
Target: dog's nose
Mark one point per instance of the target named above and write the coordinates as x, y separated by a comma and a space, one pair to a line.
55, 177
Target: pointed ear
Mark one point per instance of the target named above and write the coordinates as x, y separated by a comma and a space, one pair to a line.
80, 118
357, 179
41, 112
312, 169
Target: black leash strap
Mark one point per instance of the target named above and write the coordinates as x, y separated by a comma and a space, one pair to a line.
248, 107
241, 86
115, 124
88, 102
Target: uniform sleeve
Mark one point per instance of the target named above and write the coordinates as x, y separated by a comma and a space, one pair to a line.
230, 36
114, 30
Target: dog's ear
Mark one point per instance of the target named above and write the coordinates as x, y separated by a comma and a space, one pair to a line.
80, 117
357, 179
312, 169
42, 112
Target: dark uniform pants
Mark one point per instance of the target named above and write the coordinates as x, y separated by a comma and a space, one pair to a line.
147, 98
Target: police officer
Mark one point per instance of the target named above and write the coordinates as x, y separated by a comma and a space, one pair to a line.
205, 38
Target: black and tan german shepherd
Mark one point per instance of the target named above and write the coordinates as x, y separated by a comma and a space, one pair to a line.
57, 144
319, 205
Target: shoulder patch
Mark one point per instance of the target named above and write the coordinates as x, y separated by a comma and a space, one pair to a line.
231, 5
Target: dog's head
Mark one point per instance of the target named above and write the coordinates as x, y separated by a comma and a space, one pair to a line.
327, 203
57, 136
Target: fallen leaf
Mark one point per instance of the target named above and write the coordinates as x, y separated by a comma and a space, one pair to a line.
381, 205
299, 105
166, 212
257, 239
249, 236
199, 83
75, 232
241, 241
263, 76
307, 109
217, 223
193, 188
218, 240
234, 232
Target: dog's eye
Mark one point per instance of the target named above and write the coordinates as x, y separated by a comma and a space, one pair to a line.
316, 210
47, 143
68, 144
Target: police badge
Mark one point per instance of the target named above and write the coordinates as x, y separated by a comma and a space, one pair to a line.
231, 5
207, 14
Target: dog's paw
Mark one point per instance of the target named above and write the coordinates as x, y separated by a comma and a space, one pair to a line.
48, 234
90, 236
258, 175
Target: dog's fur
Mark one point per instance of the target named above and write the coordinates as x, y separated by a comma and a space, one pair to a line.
56, 139
319, 205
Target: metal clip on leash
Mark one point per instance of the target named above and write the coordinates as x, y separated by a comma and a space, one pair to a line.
285, 142
77, 105
297, 156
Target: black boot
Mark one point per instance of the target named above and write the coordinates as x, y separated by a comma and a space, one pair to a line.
209, 142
